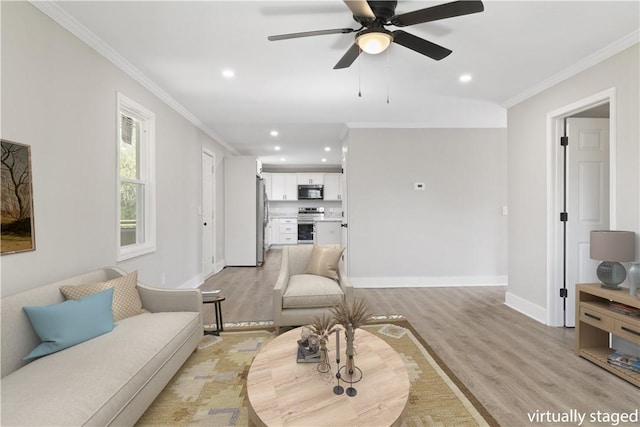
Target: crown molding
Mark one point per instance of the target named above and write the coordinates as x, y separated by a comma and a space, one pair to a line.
68, 22
588, 62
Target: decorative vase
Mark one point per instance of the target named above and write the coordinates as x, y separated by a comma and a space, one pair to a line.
350, 335
634, 278
324, 367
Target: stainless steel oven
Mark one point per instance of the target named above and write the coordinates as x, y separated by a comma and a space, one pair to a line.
306, 218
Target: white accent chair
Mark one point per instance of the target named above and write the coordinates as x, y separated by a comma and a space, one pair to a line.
299, 297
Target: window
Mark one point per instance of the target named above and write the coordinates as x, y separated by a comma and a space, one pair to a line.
136, 211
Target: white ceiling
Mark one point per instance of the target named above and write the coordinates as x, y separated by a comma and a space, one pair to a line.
511, 49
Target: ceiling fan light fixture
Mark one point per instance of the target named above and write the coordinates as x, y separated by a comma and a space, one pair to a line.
374, 41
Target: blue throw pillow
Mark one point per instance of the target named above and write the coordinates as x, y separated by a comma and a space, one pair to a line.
71, 322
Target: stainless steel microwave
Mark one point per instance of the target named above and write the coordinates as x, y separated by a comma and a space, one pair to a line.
310, 192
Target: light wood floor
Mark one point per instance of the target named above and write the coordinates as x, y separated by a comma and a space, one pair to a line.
512, 364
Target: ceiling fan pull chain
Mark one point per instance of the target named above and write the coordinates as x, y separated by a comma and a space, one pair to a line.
360, 77
388, 75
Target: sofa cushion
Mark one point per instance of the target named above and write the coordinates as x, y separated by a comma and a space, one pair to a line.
126, 300
68, 323
310, 290
88, 383
324, 261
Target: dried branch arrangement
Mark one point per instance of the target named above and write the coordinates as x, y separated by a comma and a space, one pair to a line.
355, 314
322, 326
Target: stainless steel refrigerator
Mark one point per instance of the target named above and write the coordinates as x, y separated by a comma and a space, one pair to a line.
262, 206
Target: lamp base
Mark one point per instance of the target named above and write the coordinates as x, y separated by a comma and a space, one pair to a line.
611, 274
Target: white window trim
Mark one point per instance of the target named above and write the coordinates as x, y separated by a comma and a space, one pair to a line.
147, 175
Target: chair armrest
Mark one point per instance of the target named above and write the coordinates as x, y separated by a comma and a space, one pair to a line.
280, 287
158, 300
345, 284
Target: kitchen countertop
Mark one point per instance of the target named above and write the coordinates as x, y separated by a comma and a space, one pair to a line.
283, 216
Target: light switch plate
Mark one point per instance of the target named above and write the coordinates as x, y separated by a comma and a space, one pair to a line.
419, 186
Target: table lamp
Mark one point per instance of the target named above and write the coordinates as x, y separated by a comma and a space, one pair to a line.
612, 247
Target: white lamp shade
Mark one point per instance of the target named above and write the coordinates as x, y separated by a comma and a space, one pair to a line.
610, 245
374, 42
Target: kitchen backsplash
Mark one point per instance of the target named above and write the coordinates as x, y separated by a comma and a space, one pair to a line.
290, 208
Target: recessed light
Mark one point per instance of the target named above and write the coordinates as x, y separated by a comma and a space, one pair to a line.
465, 78
324, 160
274, 133
228, 73
277, 148
327, 148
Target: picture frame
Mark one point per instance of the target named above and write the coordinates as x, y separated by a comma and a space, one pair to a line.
17, 233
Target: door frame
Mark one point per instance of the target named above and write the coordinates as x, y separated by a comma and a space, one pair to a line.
555, 128
214, 223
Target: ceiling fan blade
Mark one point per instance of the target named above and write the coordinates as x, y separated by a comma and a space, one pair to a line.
310, 34
348, 58
419, 45
360, 8
435, 13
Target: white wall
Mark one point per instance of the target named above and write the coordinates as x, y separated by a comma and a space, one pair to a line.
528, 170
59, 97
452, 233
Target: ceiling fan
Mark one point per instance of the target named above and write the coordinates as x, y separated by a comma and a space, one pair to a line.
372, 37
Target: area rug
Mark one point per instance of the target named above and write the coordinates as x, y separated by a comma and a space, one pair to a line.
210, 389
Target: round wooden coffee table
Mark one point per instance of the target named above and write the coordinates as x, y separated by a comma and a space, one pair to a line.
283, 392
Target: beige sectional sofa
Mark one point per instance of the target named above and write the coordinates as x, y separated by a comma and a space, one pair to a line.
108, 380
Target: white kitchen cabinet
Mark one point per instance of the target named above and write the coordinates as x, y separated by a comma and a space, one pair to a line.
327, 233
284, 186
287, 231
332, 187
310, 178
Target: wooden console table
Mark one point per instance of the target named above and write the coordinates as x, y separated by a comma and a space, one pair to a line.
595, 322
283, 392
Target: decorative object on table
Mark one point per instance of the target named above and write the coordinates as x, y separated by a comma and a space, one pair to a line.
350, 316
210, 294
338, 389
625, 309
351, 369
17, 232
322, 327
612, 247
634, 278
308, 347
625, 361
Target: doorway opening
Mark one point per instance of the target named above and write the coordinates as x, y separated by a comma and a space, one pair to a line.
580, 194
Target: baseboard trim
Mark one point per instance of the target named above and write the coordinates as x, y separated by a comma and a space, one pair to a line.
426, 282
525, 307
218, 266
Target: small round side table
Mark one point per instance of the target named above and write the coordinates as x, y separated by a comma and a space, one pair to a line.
217, 306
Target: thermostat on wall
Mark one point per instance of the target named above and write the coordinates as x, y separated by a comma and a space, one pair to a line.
418, 186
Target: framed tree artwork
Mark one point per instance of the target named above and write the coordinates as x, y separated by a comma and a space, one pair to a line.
16, 230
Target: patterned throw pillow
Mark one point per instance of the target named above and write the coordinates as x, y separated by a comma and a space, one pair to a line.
324, 261
126, 300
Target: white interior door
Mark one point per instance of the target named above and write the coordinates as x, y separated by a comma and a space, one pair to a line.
208, 226
587, 200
